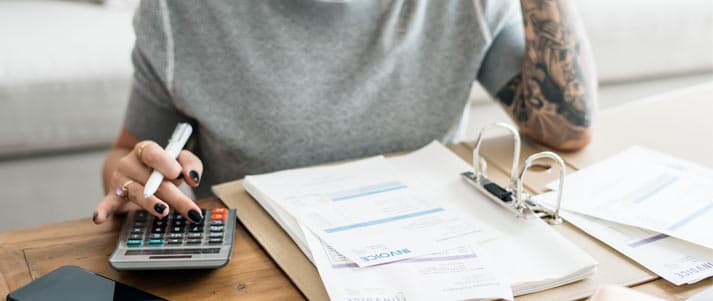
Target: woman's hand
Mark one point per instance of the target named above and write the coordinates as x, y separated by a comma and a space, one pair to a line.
131, 173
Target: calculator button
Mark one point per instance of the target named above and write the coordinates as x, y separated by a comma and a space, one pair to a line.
179, 223
217, 216
157, 230
219, 210
159, 223
195, 228
194, 235
156, 236
139, 224
174, 241
141, 215
217, 223
155, 241
133, 242
176, 229
137, 230
175, 235
216, 228
215, 240
215, 235
193, 241
135, 236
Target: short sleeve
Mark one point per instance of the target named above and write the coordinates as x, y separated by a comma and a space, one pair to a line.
503, 59
150, 113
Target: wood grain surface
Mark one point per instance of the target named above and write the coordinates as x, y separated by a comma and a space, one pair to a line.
27, 254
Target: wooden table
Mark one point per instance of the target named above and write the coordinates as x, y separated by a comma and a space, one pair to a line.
27, 254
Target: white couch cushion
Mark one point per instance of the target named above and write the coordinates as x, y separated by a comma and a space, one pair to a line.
644, 39
65, 72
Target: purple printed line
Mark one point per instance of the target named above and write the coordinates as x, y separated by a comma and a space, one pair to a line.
442, 258
648, 240
350, 265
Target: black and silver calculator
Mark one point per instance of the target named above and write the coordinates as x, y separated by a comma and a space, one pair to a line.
150, 243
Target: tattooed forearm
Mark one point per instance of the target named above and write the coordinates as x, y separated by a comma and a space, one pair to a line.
553, 97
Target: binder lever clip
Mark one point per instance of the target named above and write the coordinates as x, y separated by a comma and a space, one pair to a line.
513, 197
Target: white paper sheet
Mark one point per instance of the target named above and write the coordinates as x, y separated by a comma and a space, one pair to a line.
529, 251
646, 189
675, 260
366, 213
457, 274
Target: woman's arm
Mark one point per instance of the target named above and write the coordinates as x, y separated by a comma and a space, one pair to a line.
553, 98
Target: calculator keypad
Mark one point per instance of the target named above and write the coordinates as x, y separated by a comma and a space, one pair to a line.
175, 230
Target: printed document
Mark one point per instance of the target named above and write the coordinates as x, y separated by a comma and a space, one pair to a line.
679, 262
460, 273
366, 213
360, 196
646, 189
532, 254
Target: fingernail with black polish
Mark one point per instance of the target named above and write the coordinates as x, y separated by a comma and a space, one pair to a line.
195, 216
194, 176
159, 208
94, 217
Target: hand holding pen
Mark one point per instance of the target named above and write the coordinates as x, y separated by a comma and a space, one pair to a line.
148, 177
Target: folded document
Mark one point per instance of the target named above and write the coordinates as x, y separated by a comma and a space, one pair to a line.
646, 189
656, 209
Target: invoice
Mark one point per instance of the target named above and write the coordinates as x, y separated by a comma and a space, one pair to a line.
677, 261
460, 273
646, 189
366, 213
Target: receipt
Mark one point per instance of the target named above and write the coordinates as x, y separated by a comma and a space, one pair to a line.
460, 273
364, 211
646, 189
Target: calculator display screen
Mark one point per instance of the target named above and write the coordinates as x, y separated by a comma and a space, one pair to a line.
73, 283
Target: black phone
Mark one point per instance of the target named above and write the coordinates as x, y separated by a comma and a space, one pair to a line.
73, 283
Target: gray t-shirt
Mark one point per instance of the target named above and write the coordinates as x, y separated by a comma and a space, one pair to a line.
278, 84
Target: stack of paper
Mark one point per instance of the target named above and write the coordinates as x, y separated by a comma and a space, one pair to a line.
652, 207
381, 228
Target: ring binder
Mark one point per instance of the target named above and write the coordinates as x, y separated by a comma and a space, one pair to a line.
513, 197
550, 216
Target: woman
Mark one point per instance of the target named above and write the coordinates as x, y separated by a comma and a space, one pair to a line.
271, 85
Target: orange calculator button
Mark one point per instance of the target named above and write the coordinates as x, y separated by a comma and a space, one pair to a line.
217, 216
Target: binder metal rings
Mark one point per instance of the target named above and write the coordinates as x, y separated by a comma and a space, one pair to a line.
513, 197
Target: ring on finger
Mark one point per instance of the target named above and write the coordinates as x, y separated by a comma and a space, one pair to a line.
140, 149
123, 190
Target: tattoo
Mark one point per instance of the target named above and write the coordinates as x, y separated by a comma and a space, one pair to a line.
552, 98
